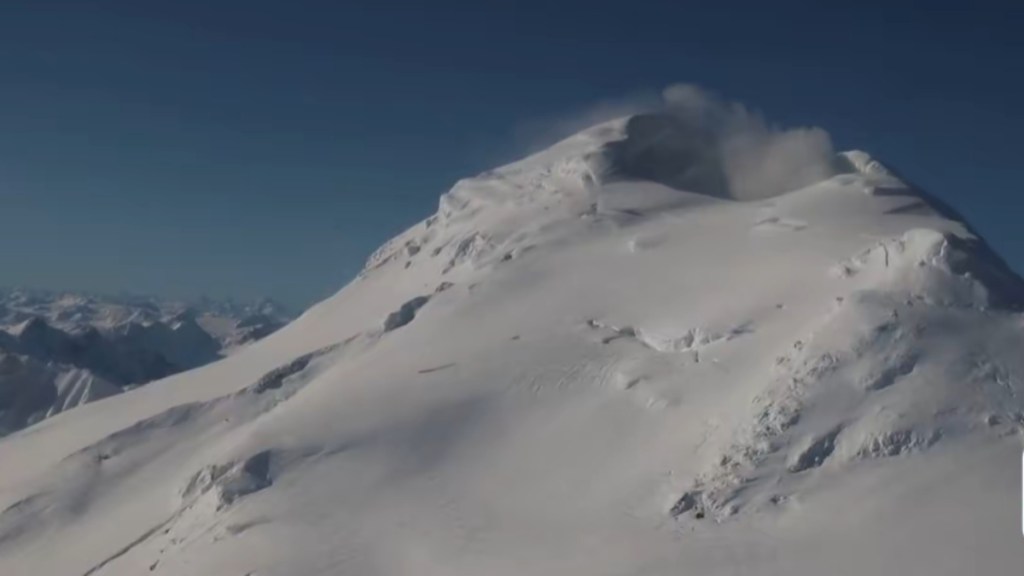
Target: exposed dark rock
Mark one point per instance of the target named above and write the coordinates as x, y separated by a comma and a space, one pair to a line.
405, 314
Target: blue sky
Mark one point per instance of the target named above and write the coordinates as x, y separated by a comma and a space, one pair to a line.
260, 148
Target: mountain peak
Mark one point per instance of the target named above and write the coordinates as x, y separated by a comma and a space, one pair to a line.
682, 341
649, 166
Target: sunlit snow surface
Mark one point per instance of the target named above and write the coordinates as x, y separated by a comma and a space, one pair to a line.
572, 371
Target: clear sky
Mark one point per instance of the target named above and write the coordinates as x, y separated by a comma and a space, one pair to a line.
248, 148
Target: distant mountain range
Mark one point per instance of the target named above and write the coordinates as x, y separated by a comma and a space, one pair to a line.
60, 350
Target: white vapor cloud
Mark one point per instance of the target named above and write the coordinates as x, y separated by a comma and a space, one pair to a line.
706, 144
757, 159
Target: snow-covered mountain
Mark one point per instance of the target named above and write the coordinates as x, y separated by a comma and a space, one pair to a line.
228, 321
62, 350
620, 356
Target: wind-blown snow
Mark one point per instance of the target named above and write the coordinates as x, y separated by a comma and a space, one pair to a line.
589, 362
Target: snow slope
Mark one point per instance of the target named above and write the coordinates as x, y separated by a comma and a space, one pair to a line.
605, 359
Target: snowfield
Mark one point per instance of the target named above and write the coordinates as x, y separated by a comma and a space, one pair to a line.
618, 356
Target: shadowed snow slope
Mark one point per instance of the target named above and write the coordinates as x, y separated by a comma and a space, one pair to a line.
594, 361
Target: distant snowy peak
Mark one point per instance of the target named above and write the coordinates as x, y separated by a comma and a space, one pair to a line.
267, 307
74, 312
62, 350
32, 389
